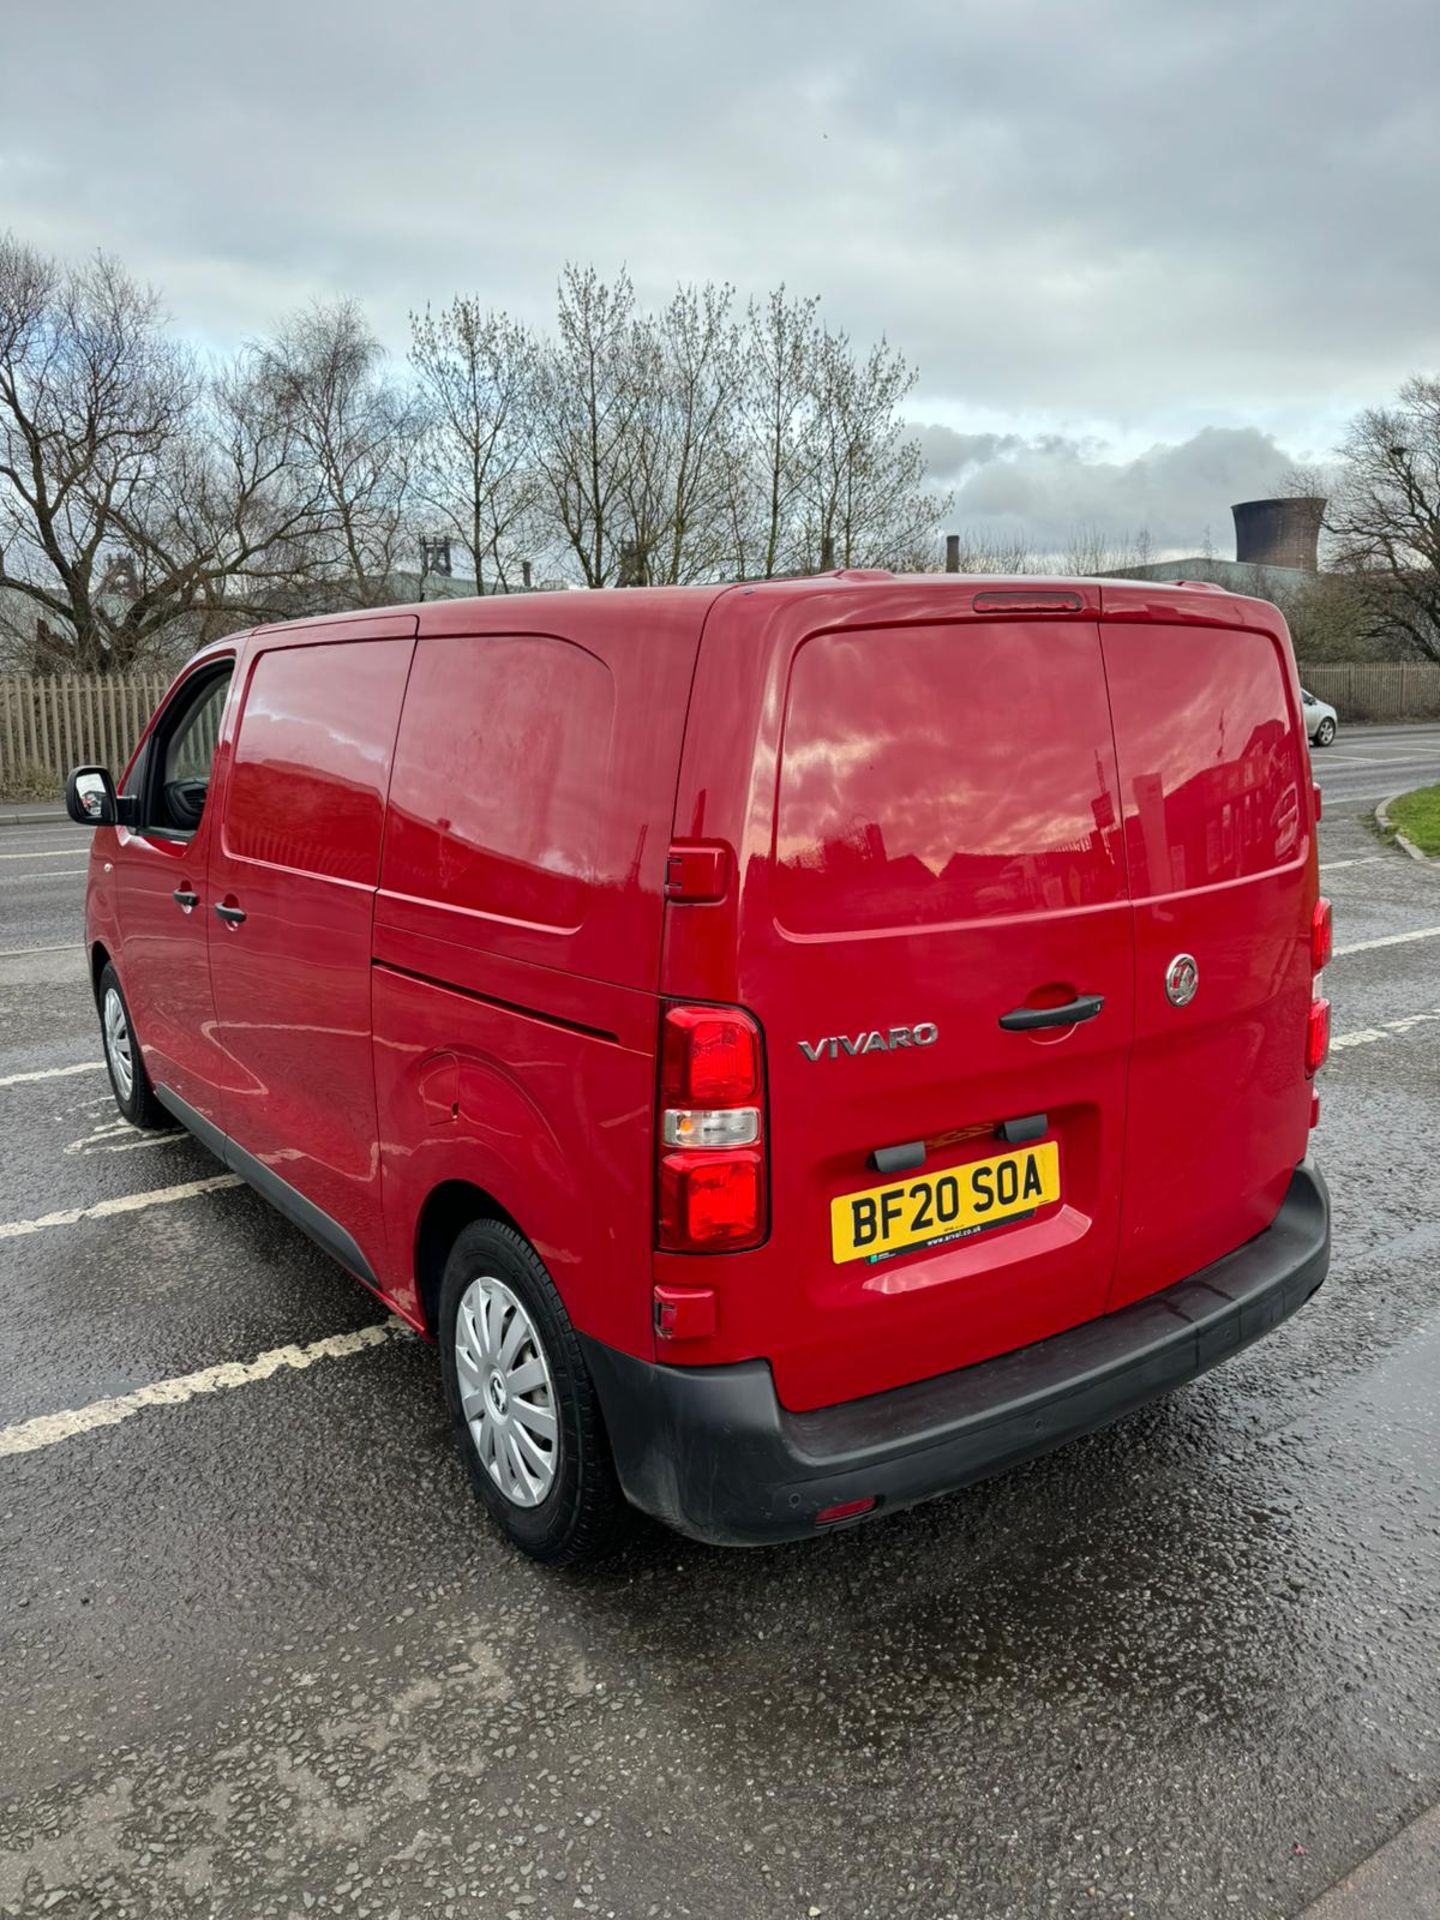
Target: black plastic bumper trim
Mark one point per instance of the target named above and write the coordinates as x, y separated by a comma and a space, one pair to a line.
711, 1451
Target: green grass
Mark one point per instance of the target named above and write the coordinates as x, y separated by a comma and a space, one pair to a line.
1417, 816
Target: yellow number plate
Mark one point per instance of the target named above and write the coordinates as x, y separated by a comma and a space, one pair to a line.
934, 1207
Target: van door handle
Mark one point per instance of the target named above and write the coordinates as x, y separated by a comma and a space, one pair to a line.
232, 916
1026, 1019
184, 899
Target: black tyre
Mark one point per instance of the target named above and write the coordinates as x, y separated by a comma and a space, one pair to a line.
129, 1081
524, 1410
1325, 733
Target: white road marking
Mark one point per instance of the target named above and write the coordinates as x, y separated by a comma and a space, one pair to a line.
13, 953
52, 1073
120, 1137
49, 1429
44, 853
1387, 1030
126, 1203
29, 879
1389, 940
1364, 860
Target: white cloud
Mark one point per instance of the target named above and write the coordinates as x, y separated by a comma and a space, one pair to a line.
1049, 486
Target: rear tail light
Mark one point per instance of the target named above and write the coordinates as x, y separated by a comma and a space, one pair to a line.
1322, 935
1317, 1035
712, 1158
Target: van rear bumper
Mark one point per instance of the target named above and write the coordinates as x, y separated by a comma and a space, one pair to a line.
711, 1452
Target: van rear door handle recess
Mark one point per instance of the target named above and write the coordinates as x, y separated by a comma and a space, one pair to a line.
232, 916
1026, 1019
184, 899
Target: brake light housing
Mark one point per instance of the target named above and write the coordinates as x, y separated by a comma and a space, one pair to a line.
712, 1173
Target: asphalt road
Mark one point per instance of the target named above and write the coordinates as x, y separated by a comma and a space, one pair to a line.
259, 1656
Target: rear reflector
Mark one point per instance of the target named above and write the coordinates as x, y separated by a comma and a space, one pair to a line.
1317, 1036
845, 1510
1322, 935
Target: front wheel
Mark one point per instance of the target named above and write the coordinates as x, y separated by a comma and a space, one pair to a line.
129, 1081
1324, 733
521, 1401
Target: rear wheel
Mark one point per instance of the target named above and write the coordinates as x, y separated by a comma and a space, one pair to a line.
521, 1401
129, 1081
1324, 733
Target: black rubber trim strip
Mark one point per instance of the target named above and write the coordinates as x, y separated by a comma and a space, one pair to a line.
327, 1234
492, 1000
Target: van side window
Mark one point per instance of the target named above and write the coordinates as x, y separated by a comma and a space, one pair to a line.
179, 758
307, 783
501, 770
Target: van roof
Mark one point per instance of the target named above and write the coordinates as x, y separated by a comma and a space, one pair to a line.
917, 595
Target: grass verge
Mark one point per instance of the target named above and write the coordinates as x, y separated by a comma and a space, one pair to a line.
1417, 816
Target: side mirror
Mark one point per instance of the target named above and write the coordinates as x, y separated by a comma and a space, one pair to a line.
90, 798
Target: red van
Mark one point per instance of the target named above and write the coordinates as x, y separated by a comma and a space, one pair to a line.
795, 1047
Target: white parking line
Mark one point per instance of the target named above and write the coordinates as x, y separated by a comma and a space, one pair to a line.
126, 1203
49, 1429
51, 1073
1363, 860
44, 853
12, 953
29, 879
1387, 1030
1389, 940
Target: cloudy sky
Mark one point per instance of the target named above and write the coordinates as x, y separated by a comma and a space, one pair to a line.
1145, 253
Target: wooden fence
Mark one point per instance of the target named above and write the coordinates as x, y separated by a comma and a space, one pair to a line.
51, 723
1411, 692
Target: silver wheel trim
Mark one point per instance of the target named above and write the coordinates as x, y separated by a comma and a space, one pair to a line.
118, 1045
506, 1392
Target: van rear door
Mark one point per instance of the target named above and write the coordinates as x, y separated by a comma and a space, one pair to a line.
935, 868
1217, 805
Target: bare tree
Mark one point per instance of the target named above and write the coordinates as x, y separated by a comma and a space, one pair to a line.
782, 346
983, 550
476, 369
1383, 516
587, 397
862, 493
1090, 550
689, 367
354, 436
93, 402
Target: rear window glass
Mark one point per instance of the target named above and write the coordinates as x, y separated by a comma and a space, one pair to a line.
307, 788
501, 773
934, 774
1209, 760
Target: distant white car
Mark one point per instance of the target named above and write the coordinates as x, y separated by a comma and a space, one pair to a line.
1321, 719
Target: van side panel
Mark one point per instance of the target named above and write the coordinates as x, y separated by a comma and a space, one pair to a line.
517, 936
299, 855
1217, 807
